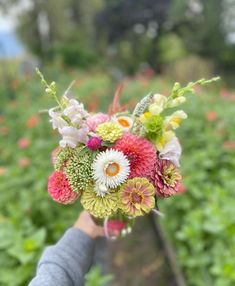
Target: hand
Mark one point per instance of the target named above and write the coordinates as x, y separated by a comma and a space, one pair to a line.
87, 225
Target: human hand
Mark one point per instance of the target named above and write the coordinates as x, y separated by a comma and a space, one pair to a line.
87, 225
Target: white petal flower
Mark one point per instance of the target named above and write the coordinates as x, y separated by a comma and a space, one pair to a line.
111, 168
75, 111
101, 190
172, 151
125, 122
72, 136
175, 119
56, 119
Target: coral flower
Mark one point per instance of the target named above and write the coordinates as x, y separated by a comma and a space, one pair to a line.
166, 178
23, 143
60, 190
33, 121
211, 116
137, 197
24, 162
140, 152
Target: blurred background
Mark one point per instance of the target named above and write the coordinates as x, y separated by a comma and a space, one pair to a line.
146, 45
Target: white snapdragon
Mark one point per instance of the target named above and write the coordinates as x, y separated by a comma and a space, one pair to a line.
175, 119
172, 151
177, 101
56, 119
71, 136
159, 104
75, 112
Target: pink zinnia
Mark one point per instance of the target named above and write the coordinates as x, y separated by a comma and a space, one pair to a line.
140, 153
166, 178
94, 143
95, 120
60, 190
23, 143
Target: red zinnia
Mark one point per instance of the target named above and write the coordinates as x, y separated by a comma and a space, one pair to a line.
140, 152
60, 189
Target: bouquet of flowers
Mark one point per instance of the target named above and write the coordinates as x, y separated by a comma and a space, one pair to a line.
121, 163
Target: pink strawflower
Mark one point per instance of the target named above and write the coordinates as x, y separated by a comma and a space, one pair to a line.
23, 143
140, 153
60, 190
94, 143
95, 120
166, 178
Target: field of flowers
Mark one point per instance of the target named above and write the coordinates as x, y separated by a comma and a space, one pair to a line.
200, 223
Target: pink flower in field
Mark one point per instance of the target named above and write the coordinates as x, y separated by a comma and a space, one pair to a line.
211, 116
23, 143
224, 93
95, 120
33, 121
24, 162
94, 143
60, 190
2, 171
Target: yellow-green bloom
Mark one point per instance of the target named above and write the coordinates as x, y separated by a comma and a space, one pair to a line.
154, 127
100, 206
175, 119
109, 131
137, 197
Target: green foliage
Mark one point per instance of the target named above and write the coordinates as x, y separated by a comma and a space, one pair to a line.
95, 277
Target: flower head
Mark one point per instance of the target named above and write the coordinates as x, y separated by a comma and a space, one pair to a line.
75, 112
110, 168
125, 122
94, 143
137, 197
109, 131
175, 119
95, 120
101, 190
100, 206
72, 136
60, 189
56, 119
140, 153
166, 178
78, 170
154, 127
23, 143
172, 151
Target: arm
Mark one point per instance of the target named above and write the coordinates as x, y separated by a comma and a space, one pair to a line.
67, 262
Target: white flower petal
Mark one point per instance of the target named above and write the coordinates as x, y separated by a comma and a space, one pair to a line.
172, 151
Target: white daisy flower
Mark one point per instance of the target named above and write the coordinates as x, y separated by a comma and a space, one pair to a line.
124, 122
101, 190
111, 168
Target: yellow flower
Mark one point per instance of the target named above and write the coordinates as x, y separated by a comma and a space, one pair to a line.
166, 137
109, 131
174, 120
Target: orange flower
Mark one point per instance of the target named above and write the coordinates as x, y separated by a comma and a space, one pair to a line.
24, 162
33, 121
211, 116
2, 171
23, 143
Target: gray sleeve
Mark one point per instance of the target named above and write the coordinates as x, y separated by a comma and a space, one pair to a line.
67, 262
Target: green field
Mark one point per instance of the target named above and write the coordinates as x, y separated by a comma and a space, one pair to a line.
200, 222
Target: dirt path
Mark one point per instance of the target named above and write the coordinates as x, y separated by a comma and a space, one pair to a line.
138, 259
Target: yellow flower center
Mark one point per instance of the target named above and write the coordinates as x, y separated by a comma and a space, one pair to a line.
112, 169
123, 122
